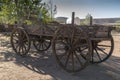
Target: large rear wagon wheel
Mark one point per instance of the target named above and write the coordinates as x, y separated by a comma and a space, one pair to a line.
65, 44
20, 41
102, 50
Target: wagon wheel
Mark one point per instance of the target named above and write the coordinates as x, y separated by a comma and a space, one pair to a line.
102, 50
65, 44
42, 44
20, 41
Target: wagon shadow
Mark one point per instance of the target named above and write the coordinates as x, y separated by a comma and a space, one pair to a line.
108, 70
44, 63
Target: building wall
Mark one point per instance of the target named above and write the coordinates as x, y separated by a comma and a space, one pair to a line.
77, 21
62, 20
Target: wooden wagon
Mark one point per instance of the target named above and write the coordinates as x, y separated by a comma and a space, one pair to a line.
74, 47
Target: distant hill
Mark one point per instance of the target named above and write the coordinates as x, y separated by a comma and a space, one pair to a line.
105, 21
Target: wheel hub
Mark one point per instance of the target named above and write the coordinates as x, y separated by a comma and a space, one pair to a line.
94, 44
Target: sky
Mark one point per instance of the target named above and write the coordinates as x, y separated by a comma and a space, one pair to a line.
97, 8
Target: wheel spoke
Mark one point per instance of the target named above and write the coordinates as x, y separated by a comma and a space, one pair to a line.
24, 39
62, 48
17, 46
45, 44
22, 50
24, 47
84, 57
82, 54
15, 39
19, 50
92, 55
78, 59
23, 36
26, 43
73, 62
63, 55
42, 46
98, 55
102, 51
84, 49
67, 59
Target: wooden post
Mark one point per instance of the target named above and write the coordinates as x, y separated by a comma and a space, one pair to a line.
73, 17
91, 20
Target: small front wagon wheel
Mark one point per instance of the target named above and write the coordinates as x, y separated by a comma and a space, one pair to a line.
66, 43
20, 41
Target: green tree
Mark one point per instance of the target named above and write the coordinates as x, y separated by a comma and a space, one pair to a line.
52, 9
22, 10
88, 20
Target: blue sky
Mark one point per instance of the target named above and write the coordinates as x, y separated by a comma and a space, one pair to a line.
97, 8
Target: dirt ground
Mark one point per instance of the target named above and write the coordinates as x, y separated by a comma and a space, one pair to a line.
42, 65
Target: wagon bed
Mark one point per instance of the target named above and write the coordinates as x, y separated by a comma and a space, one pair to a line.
95, 31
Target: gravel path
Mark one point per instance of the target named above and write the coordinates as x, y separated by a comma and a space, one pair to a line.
42, 66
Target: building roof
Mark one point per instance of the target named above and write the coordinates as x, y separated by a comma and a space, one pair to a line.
61, 18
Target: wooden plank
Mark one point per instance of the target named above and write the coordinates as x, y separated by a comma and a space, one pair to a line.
100, 38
